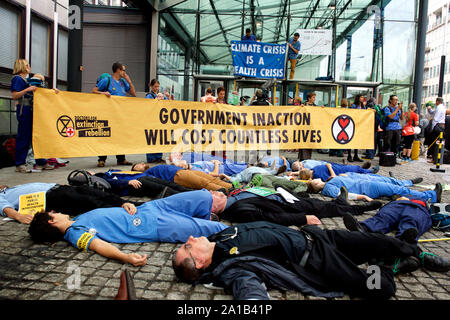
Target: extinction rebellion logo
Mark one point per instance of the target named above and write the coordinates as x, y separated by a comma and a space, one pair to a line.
343, 129
86, 126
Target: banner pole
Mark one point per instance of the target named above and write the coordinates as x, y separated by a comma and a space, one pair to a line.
337, 96
275, 92
438, 160
296, 90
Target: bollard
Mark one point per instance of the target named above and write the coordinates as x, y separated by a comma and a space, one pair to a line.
438, 161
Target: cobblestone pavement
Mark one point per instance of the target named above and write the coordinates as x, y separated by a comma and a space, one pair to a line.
45, 272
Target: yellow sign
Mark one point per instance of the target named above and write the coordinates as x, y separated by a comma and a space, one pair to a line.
32, 203
71, 124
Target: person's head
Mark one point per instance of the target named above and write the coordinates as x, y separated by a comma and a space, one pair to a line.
21, 66
182, 164
209, 90
46, 227
258, 93
311, 96
393, 99
248, 32
298, 101
190, 259
219, 201
296, 166
315, 185
154, 85
296, 36
118, 68
370, 103
262, 164
140, 166
221, 93
305, 174
359, 99
39, 76
439, 101
344, 103
412, 107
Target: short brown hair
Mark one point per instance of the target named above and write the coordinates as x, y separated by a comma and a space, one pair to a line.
310, 95
41, 231
344, 103
186, 270
20, 66
305, 174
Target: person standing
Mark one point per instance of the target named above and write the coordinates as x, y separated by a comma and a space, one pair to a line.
115, 85
437, 123
393, 131
221, 95
155, 94
22, 92
294, 49
358, 104
305, 154
248, 35
412, 120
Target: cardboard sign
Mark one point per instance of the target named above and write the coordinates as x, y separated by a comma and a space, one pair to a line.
32, 203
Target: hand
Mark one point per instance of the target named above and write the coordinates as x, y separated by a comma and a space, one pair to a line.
312, 220
366, 198
283, 158
126, 77
215, 161
136, 259
106, 93
25, 218
135, 184
130, 208
56, 90
31, 88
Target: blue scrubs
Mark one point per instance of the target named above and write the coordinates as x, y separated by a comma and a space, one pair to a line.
379, 178
373, 189
291, 53
228, 168
172, 219
311, 164
401, 215
152, 157
322, 172
9, 198
191, 157
279, 162
116, 88
163, 171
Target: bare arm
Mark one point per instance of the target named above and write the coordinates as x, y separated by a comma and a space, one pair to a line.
97, 91
132, 89
215, 172
16, 95
22, 218
109, 251
330, 168
392, 115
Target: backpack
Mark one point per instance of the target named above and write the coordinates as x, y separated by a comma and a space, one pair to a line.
382, 118
82, 177
103, 76
440, 216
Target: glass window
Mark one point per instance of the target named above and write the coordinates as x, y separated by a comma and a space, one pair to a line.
39, 46
9, 37
63, 43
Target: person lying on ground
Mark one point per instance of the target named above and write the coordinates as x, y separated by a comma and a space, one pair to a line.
331, 170
184, 177
365, 188
73, 200
297, 166
248, 258
213, 167
268, 161
246, 175
172, 219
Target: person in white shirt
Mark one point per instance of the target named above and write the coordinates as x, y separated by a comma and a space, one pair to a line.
437, 123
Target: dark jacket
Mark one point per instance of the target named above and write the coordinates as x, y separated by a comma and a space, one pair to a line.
242, 261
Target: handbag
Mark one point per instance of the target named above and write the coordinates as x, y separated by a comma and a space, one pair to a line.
407, 131
417, 130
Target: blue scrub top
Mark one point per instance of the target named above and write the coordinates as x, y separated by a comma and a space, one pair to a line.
116, 88
393, 124
311, 164
9, 198
278, 160
291, 53
164, 171
18, 84
228, 168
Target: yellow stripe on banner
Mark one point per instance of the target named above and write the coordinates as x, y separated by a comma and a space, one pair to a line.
73, 124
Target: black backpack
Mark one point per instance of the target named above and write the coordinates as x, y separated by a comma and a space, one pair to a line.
82, 177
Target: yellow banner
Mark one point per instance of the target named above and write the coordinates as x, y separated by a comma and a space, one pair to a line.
32, 203
71, 124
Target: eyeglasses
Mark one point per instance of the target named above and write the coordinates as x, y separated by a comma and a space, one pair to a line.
188, 247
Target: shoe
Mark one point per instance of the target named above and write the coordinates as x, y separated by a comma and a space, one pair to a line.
123, 163
375, 169
343, 196
23, 169
371, 205
409, 235
416, 180
349, 159
100, 164
357, 159
44, 167
433, 262
127, 290
391, 174
236, 184
351, 223
223, 190
366, 165
438, 191
257, 180
406, 265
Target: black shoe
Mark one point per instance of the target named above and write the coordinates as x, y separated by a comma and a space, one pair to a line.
372, 205
223, 190
438, 191
351, 223
375, 169
406, 265
409, 235
366, 165
433, 262
349, 159
391, 174
163, 193
357, 159
417, 180
343, 196
395, 197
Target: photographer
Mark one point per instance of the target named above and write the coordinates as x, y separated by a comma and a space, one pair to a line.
260, 98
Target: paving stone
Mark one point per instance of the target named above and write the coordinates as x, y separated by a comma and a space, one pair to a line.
223, 297
10, 293
153, 295
200, 296
423, 295
55, 295
159, 285
176, 296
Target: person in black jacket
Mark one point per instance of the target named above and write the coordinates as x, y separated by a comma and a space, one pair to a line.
318, 262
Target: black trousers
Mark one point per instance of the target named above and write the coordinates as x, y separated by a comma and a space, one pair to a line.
329, 209
336, 255
433, 135
392, 139
152, 187
120, 158
74, 200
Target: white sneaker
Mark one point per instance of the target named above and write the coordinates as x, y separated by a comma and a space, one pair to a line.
44, 167
23, 169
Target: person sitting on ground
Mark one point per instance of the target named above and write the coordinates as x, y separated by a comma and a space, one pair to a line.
213, 167
371, 186
409, 216
248, 258
138, 184
331, 170
172, 219
184, 177
282, 207
73, 200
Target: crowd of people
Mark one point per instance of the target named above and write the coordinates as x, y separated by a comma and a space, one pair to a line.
195, 194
